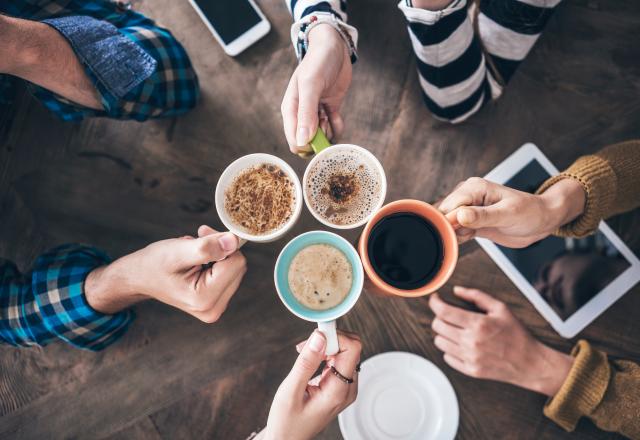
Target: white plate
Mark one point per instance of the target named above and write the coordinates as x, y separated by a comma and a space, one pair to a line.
401, 396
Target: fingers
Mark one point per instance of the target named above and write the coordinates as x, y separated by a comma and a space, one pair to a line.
307, 363
445, 329
479, 298
345, 363
307, 116
465, 234
325, 124
481, 217
336, 122
455, 363
203, 250
219, 305
205, 230
216, 287
289, 110
451, 314
469, 193
475, 191
449, 347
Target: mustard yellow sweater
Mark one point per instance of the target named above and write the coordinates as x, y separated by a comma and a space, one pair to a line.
604, 390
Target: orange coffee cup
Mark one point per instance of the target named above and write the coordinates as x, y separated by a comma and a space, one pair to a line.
375, 283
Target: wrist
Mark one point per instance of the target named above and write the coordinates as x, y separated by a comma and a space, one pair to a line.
549, 370
326, 36
108, 289
564, 201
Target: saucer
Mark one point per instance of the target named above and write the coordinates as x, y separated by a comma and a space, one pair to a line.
401, 396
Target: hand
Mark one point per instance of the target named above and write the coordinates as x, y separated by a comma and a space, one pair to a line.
302, 406
175, 272
494, 345
509, 217
318, 86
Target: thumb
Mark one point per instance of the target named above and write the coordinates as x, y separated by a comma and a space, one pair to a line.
213, 247
308, 103
476, 217
308, 361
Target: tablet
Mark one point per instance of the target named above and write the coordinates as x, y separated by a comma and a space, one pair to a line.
569, 281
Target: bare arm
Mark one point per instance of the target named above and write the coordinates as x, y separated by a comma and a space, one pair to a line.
38, 53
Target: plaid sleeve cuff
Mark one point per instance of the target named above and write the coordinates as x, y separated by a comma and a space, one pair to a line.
57, 283
140, 70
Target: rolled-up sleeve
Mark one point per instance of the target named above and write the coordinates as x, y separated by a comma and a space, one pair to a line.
139, 69
49, 303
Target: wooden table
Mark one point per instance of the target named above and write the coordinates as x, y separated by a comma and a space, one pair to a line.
121, 185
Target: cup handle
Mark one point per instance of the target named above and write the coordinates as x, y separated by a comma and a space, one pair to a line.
328, 328
318, 143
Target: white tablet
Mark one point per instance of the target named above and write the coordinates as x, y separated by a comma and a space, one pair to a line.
569, 281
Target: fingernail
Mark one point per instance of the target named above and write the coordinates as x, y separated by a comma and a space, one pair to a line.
228, 242
467, 216
316, 342
300, 346
302, 138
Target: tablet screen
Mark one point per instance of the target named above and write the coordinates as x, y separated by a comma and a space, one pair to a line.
566, 272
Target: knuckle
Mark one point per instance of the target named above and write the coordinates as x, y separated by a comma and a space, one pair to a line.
476, 181
481, 327
501, 308
356, 345
211, 317
306, 364
474, 344
475, 370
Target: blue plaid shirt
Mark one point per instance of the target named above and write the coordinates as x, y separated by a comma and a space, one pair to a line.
138, 68
48, 303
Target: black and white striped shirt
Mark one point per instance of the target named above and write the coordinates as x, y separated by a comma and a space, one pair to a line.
456, 75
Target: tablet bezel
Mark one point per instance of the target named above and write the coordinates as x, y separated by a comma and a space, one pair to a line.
596, 305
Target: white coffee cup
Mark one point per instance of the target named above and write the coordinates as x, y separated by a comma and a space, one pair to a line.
369, 159
226, 180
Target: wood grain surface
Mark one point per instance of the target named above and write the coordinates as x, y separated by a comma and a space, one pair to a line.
121, 185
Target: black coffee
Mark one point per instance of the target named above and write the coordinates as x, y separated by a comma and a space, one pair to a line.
405, 250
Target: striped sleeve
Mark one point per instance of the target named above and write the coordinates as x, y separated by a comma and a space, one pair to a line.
302, 8
455, 75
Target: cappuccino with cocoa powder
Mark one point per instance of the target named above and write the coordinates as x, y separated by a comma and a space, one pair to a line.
344, 187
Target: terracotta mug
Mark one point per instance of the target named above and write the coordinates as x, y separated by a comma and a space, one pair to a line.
374, 283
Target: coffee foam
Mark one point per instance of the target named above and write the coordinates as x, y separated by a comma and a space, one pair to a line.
366, 187
260, 199
320, 276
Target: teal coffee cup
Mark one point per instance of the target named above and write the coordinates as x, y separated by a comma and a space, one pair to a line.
326, 319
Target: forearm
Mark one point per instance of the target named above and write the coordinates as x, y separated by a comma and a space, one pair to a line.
37, 53
549, 370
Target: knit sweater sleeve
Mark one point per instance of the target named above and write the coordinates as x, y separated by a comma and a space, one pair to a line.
604, 390
610, 179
